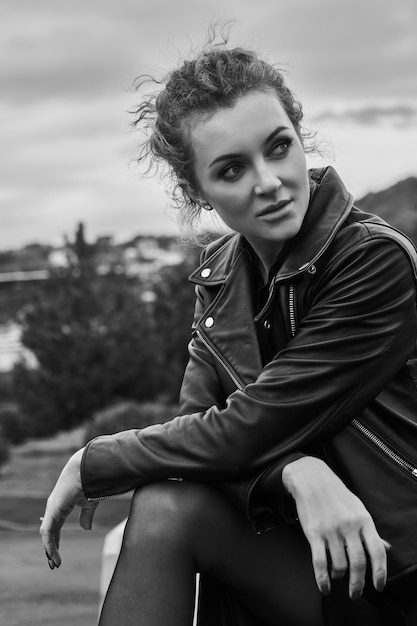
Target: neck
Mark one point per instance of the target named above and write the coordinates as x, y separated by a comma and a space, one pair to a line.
268, 252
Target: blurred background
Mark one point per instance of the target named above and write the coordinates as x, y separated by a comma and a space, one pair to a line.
95, 308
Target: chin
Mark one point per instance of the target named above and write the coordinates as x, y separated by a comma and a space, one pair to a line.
288, 233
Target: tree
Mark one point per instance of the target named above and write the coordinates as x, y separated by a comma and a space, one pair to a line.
97, 341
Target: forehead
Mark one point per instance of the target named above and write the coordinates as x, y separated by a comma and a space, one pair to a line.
234, 129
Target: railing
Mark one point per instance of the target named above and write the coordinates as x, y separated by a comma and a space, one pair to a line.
24, 276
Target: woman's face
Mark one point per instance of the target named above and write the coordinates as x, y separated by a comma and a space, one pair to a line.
249, 165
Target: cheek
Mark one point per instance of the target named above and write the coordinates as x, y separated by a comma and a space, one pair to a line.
231, 209
300, 167
227, 199
301, 164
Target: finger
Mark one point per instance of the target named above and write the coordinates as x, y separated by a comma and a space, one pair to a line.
320, 566
50, 542
357, 566
47, 554
338, 558
50, 531
387, 545
377, 550
58, 524
87, 515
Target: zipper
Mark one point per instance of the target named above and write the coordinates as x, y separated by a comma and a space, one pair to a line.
217, 356
291, 306
356, 423
383, 447
113, 495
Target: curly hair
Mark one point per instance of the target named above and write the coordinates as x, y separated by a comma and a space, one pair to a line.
214, 79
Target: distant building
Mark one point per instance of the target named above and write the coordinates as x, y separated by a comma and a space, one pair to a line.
11, 349
61, 257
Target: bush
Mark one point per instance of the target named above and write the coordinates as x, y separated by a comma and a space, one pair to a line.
13, 425
4, 449
128, 414
97, 340
6, 387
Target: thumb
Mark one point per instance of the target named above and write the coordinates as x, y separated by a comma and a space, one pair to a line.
85, 519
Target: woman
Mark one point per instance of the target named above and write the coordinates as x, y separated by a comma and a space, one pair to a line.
303, 317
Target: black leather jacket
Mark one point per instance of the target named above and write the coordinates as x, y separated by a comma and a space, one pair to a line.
345, 326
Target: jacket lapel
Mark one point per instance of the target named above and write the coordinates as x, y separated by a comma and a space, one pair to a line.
227, 325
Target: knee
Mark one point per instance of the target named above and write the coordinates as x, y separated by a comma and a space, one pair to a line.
167, 510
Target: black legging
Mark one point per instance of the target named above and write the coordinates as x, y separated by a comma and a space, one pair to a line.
176, 529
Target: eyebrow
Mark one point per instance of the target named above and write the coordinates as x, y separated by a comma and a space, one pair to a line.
235, 155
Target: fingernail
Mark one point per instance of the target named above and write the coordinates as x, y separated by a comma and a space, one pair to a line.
355, 594
380, 585
325, 589
51, 564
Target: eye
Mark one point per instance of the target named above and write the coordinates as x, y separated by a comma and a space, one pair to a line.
231, 172
281, 148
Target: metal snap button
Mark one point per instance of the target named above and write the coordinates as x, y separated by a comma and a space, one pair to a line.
209, 322
205, 273
267, 324
312, 269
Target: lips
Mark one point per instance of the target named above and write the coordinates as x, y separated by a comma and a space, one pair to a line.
273, 208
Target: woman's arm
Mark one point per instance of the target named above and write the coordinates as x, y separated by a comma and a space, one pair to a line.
122, 461
353, 340
66, 494
339, 529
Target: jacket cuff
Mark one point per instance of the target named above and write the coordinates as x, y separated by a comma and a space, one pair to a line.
267, 495
105, 471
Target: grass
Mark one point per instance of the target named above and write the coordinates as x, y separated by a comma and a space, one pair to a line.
24, 511
30, 593
33, 595
35, 465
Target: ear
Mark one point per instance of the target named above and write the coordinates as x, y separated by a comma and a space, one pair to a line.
192, 193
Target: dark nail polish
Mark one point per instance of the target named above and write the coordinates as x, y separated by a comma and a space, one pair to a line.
355, 594
380, 585
325, 589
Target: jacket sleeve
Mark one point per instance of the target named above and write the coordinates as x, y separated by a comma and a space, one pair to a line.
201, 389
359, 331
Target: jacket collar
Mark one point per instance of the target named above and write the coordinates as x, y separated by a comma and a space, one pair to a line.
329, 206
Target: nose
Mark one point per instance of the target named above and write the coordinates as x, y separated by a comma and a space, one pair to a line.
267, 181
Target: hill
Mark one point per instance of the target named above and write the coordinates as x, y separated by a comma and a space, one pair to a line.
397, 205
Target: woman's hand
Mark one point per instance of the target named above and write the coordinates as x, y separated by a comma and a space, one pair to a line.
338, 527
66, 494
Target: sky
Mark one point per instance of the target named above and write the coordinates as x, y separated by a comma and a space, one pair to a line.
66, 70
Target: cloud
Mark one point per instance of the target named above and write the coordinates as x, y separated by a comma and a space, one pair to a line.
349, 48
344, 50
77, 49
369, 158
400, 116
65, 68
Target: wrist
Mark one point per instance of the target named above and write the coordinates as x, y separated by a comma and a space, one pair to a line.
74, 464
299, 474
